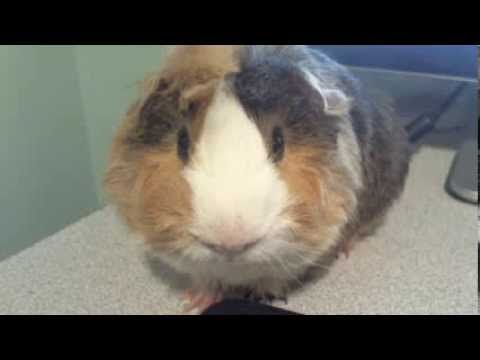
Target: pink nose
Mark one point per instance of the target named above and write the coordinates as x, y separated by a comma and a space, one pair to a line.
231, 238
229, 249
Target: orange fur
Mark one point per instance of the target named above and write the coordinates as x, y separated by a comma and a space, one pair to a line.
201, 61
150, 193
163, 197
321, 205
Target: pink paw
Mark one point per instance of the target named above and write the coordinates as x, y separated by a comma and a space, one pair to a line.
346, 248
198, 302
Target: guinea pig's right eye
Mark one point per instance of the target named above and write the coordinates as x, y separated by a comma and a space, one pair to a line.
278, 144
183, 144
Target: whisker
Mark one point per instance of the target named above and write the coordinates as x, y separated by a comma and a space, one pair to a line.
311, 262
285, 268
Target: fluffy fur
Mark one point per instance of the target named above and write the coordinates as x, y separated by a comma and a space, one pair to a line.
343, 164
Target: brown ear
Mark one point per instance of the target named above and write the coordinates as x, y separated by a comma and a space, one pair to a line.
171, 105
184, 93
197, 96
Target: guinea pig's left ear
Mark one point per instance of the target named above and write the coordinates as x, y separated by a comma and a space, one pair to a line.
335, 101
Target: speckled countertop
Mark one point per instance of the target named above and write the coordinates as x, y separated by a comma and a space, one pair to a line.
424, 261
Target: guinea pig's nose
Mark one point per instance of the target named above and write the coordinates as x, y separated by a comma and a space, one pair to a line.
230, 250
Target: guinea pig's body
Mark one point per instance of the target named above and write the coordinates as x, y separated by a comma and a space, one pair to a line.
243, 166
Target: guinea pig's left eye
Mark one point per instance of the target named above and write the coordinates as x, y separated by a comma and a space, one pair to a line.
278, 144
183, 144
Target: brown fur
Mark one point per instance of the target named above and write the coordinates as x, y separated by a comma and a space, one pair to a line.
146, 184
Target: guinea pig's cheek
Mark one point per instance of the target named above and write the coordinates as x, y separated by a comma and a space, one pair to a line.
163, 199
302, 180
319, 207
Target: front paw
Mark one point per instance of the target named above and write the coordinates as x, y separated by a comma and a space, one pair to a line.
196, 302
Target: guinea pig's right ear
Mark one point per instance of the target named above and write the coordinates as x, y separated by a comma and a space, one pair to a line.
187, 97
156, 112
152, 83
168, 106
196, 96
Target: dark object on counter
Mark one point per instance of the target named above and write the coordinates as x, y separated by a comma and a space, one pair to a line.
426, 123
243, 307
463, 179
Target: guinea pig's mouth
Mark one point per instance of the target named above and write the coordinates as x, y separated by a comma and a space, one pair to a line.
228, 253
264, 248
267, 254
278, 256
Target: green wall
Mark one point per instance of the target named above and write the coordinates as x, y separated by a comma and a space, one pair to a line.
109, 76
46, 177
59, 108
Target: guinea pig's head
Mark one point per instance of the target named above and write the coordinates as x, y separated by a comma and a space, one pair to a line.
234, 162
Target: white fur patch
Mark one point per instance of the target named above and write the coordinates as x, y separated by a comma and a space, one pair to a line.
238, 194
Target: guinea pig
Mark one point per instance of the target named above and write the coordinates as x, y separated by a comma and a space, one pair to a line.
244, 166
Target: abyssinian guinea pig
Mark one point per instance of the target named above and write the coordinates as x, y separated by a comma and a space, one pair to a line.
243, 166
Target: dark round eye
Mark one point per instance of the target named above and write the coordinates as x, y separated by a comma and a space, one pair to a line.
183, 145
278, 144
